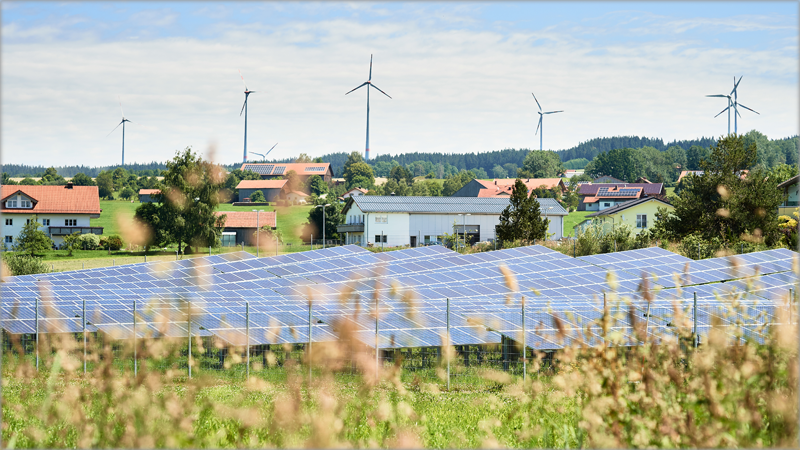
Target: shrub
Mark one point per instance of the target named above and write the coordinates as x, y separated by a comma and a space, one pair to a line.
89, 241
112, 242
24, 264
257, 197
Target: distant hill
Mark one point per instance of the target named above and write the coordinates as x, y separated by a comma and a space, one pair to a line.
593, 147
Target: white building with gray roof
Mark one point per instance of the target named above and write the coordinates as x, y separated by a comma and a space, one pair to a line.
396, 221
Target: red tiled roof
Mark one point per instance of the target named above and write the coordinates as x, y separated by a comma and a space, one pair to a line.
54, 199
301, 194
149, 191
247, 219
261, 184
505, 186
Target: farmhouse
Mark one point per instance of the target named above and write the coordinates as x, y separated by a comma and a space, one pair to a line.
273, 190
640, 214
396, 221
148, 195
62, 210
597, 197
789, 189
240, 226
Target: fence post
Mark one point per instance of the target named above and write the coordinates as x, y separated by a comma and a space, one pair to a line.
312, 242
524, 346
791, 304
573, 247
83, 265
83, 318
247, 334
37, 333
310, 338
145, 256
448, 343
647, 323
189, 320
135, 368
113, 262
694, 319
377, 352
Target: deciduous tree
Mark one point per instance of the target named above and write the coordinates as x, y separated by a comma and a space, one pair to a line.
31, 239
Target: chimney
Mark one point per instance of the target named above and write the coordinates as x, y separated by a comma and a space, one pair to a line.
392, 194
69, 185
495, 182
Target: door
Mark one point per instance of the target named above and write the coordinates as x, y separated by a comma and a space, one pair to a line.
413, 241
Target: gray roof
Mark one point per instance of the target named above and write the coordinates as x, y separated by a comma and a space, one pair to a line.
444, 205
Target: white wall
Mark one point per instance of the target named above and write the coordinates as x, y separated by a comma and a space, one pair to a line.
56, 220
440, 224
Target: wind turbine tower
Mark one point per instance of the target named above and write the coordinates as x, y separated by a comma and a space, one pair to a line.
369, 84
247, 93
541, 115
122, 122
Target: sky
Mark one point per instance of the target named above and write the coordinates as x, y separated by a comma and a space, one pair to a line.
460, 75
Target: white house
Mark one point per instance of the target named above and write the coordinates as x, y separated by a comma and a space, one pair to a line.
397, 221
62, 210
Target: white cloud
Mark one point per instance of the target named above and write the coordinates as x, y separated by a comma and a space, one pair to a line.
453, 89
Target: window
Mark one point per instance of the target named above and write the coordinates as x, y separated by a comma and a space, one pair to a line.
9, 221
380, 238
427, 239
70, 222
606, 205
26, 204
381, 218
46, 222
9, 239
641, 221
27, 221
11, 204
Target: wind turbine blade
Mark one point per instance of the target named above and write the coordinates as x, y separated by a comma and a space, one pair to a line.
538, 125
265, 154
745, 107
736, 83
243, 105
370, 67
242, 76
359, 86
115, 129
379, 89
719, 95
552, 112
723, 111
537, 102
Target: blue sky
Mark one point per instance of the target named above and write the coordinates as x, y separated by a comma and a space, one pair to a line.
460, 74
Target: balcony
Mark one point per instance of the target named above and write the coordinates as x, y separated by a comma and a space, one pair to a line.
350, 228
64, 231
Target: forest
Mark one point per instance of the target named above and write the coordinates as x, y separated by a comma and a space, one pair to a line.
502, 163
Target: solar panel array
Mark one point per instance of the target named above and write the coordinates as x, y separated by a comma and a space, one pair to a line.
622, 192
411, 288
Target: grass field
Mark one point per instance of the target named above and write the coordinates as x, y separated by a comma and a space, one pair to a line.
290, 219
572, 219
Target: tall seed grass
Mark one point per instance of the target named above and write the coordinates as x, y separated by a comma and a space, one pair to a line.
729, 392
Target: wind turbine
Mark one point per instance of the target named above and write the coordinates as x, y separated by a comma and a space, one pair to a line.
733, 103
541, 115
122, 122
264, 156
247, 93
369, 84
736, 104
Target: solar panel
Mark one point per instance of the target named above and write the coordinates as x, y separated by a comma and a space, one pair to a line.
279, 170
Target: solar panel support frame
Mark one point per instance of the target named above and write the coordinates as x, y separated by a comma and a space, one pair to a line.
37, 333
448, 343
524, 347
694, 321
135, 362
189, 327
83, 319
247, 334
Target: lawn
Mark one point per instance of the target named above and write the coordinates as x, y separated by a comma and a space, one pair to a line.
290, 219
573, 219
